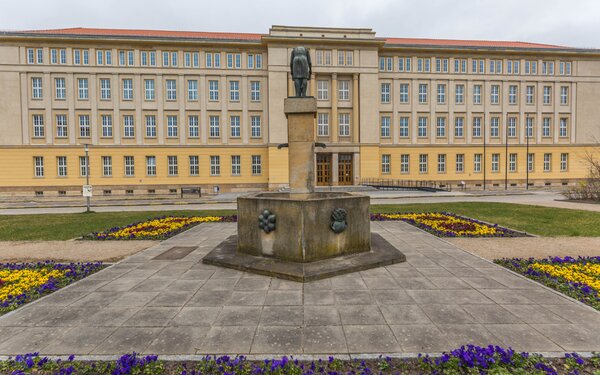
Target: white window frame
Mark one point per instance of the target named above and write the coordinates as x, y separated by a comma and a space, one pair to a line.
255, 126
172, 126
150, 165
235, 128
322, 124
214, 126
193, 126
215, 165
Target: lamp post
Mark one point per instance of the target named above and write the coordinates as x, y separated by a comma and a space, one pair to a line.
506, 157
87, 176
527, 130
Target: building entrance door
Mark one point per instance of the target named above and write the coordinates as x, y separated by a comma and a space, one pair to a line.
323, 169
345, 174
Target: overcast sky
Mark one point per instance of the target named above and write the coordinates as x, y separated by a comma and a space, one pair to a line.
566, 22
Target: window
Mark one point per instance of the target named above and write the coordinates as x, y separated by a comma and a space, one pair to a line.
459, 125
234, 91
40, 56
84, 126
127, 89
404, 163
546, 127
512, 127
385, 164
422, 127
441, 65
30, 56
424, 65
385, 126
171, 89
422, 163
129, 166
83, 166
547, 94
61, 89
386, 64
258, 63
107, 166
61, 126
230, 61
530, 162
460, 65
213, 90
149, 89
173, 168
130, 58
215, 165
255, 128
256, 165
236, 165
495, 94
250, 61
174, 56
104, 88
529, 127
512, 162
441, 167
209, 60
214, 126
404, 93
36, 88
476, 126
530, 94
107, 128
344, 124
38, 166
128, 126
385, 92
77, 57
122, 58
150, 126
323, 124
495, 127
512, 94
99, 57
192, 89
564, 162
255, 91
477, 94
422, 93
460, 163
495, 163
459, 96
172, 130
562, 129
404, 126
187, 59
343, 90
441, 94
547, 162
38, 126
151, 165
477, 163
196, 59
194, 165
61, 163
496, 66
478, 66
63, 56
322, 90
440, 127
564, 95
82, 89
144, 58
53, 56
234, 126
345, 58
193, 126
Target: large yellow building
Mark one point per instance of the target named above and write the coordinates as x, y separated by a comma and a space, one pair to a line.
161, 110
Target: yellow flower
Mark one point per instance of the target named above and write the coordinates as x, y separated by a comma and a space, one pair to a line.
16, 282
588, 274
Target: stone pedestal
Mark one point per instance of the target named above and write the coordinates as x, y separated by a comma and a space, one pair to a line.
301, 113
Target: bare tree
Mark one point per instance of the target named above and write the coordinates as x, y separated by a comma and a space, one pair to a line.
588, 189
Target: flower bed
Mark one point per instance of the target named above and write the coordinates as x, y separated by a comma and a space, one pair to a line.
24, 282
444, 224
465, 360
578, 278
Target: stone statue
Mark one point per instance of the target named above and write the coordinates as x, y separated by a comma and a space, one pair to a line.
301, 68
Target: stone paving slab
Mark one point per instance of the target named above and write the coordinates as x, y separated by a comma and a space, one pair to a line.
441, 298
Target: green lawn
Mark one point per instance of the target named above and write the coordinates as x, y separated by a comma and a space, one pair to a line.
533, 219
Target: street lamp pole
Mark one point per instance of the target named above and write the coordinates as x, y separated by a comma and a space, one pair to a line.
506, 158
527, 129
87, 176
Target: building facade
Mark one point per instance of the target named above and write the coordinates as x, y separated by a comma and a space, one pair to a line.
163, 110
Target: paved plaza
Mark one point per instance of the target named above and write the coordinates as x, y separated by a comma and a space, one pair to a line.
441, 298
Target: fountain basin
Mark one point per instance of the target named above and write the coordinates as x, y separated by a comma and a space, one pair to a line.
303, 225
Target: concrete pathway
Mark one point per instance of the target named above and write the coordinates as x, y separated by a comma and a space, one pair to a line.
441, 298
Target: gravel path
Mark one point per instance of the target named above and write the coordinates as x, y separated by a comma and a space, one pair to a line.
536, 247
82, 251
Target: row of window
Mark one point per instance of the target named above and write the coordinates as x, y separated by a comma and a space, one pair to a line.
151, 58
324, 57
459, 165
460, 94
477, 66
149, 89
128, 125
151, 166
441, 126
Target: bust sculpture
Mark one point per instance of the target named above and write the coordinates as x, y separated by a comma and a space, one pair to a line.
301, 69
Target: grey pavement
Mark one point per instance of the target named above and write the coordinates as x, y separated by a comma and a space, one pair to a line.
441, 298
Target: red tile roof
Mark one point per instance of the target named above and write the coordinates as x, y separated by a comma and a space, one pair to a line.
424, 42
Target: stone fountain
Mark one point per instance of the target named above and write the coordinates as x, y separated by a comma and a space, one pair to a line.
303, 235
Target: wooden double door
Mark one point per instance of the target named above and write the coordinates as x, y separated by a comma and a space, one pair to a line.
324, 169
